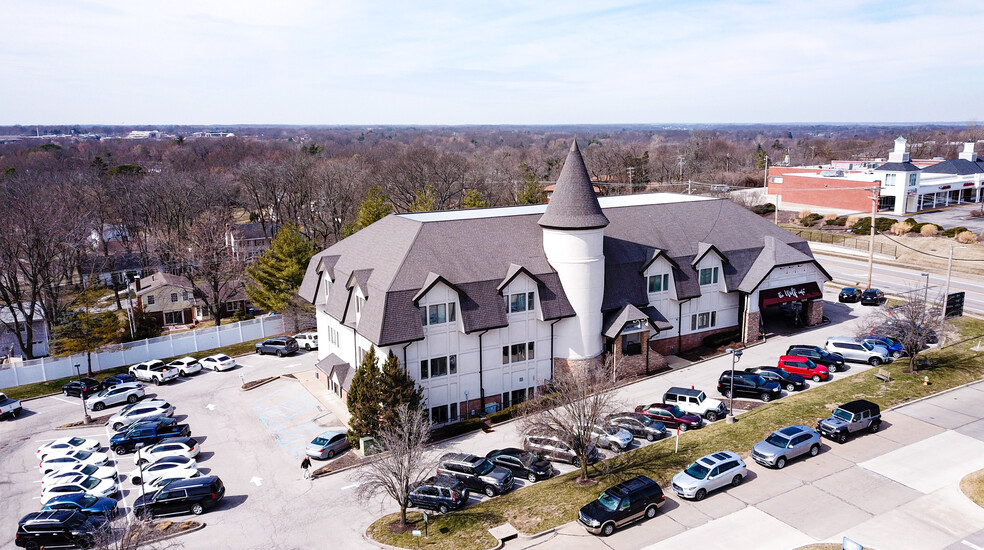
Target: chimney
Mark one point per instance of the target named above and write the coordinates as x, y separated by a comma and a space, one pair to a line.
136, 283
968, 152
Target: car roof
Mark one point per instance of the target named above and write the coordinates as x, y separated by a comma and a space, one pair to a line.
192, 482
790, 431
685, 391
858, 405
181, 439
805, 346
328, 434
629, 485
714, 459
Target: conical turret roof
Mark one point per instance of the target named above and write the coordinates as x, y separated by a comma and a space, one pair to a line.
574, 204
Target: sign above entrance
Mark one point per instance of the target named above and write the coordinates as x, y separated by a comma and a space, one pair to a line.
791, 293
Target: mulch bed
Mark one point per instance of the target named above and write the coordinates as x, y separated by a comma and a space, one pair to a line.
344, 460
101, 420
257, 383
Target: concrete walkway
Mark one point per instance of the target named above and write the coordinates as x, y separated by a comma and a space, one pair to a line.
324, 395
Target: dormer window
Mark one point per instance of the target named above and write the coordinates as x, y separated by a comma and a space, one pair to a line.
523, 301
438, 313
360, 302
659, 283
709, 276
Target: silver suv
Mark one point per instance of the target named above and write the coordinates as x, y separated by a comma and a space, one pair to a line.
786, 444
709, 473
853, 349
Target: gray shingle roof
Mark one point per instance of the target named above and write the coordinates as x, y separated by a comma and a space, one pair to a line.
897, 167
574, 204
960, 167
334, 364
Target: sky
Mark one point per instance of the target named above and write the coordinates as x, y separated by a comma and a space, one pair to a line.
421, 62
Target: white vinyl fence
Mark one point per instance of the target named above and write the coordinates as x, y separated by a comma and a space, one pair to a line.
182, 343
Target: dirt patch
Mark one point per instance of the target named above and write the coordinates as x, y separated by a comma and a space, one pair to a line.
346, 460
257, 383
100, 420
398, 528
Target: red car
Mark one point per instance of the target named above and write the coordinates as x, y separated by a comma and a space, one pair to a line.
670, 415
803, 367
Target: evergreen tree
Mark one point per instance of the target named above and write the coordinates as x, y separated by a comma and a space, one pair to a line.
424, 201
364, 399
398, 388
531, 192
85, 331
277, 274
473, 199
373, 209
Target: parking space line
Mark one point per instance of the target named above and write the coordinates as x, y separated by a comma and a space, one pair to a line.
62, 400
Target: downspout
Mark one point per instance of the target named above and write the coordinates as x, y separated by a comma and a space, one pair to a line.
481, 381
552, 349
405, 357
742, 308
680, 324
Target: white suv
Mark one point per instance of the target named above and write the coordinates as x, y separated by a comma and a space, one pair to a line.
853, 349
154, 371
307, 340
695, 402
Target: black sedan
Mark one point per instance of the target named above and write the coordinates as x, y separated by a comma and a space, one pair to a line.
521, 463
77, 388
872, 297
788, 380
849, 294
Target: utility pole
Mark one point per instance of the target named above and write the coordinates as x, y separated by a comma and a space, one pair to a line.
680, 162
765, 179
871, 243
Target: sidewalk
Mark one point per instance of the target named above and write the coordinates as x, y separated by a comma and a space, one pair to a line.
323, 394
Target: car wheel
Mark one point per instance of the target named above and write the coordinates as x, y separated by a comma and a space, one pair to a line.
874, 427
815, 450
726, 394
331, 453
576, 462
781, 463
280, 353
141, 462
650, 437
197, 509
896, 354
157, 381
711, 416
118, 426
766, 397
31, 545
842, 438
790, 387
684, 427
816, 378
259, 351
532, 477
489, 491
99, 406
874, 361
411, 503
132, 399
701, 493
607, 529
120, 450
135, 480
66, 393
736, 481
651, 512
443, 508
307, 347
831, 368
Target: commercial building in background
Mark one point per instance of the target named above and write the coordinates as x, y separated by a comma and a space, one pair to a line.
483, 306
905, 185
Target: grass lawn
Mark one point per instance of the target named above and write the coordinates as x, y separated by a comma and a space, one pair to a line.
556, 501
54, 386
972, 485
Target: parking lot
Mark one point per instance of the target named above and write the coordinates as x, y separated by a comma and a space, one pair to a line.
254, 442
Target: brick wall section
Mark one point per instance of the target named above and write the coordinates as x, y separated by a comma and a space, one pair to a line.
753, 333
800, 188
813, 312
668, 346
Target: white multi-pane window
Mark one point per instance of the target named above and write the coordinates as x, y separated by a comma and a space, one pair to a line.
523, 301
659, 283
703, 320
518, 352
709, 276
438, 366
436, 314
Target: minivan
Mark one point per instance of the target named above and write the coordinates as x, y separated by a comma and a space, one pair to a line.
195, 495
853, 349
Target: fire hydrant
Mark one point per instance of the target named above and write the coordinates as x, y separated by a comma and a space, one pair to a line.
925, 380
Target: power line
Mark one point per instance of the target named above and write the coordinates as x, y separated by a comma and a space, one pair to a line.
927, 253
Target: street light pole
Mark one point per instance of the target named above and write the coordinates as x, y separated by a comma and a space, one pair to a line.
129, 312
871, 243
85, 411
926, 292
735, 357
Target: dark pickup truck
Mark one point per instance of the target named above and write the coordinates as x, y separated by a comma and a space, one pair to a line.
143, 434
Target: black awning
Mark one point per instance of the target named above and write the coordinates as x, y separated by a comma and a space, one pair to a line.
790, 293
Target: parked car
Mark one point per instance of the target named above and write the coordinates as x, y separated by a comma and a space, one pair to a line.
89, 505
72, 458
154, 371
748, 385
554, 448
82, 386
790, 382
186, 366
638, 425
611, 437
161, 468
281, 345
894, 347
64, 445
172, 446
670, 416
521, 463
135, 412
57, 528
477, 473
695, 401
441, 493
79, 468
9, 407
120, 378
833, 361
786, 444
307, 340
851, 418
849, 294
328, 444
144, 433
624, 503
710, 473
853, 349
128, 392
195, 495
173, 475
218, 362
873, 297
81, 483
803, 367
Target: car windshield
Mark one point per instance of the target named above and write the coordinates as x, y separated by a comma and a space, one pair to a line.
76, 441
87, 500
697, 471
102, 393
610, 430
867, 346
608, 502
90, 482
842, 414
757, 380
82, 455
484, 467
88, 469
646, 421
320, 441
777, 440
526, 458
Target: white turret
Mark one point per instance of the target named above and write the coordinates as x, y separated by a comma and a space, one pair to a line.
573, 240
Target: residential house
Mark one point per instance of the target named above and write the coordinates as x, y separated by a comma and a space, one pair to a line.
247, 241
171, 299
9, 346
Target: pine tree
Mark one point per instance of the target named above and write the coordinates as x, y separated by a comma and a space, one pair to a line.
531, 192
364, 396
277, 274
398, 388
373, 209
473, 199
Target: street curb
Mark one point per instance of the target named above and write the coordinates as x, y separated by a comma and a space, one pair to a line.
937, 394
201, 525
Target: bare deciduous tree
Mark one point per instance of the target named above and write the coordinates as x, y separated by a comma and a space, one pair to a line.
404, 461
911, 323
121, 534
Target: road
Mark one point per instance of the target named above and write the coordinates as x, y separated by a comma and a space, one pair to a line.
898, 279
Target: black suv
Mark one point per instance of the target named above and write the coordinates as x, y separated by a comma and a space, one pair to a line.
792, 382
749, 385
441, 493
476, 473
82, 386
624, 503
833, 361
521, 463
280, 345
851, 418
57, 529
193, 495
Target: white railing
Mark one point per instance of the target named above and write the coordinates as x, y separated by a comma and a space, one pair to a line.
182, 343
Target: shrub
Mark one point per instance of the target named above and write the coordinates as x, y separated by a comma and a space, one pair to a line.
928, 230
717, 340
953, 231
810, 219
503, 415
851, 220
766, 208
863, 225
966, 237
901, 228
837, 221
911, 221
829, 216
805, 214
456, 429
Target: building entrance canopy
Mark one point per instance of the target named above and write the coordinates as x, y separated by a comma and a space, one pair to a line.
790, 293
